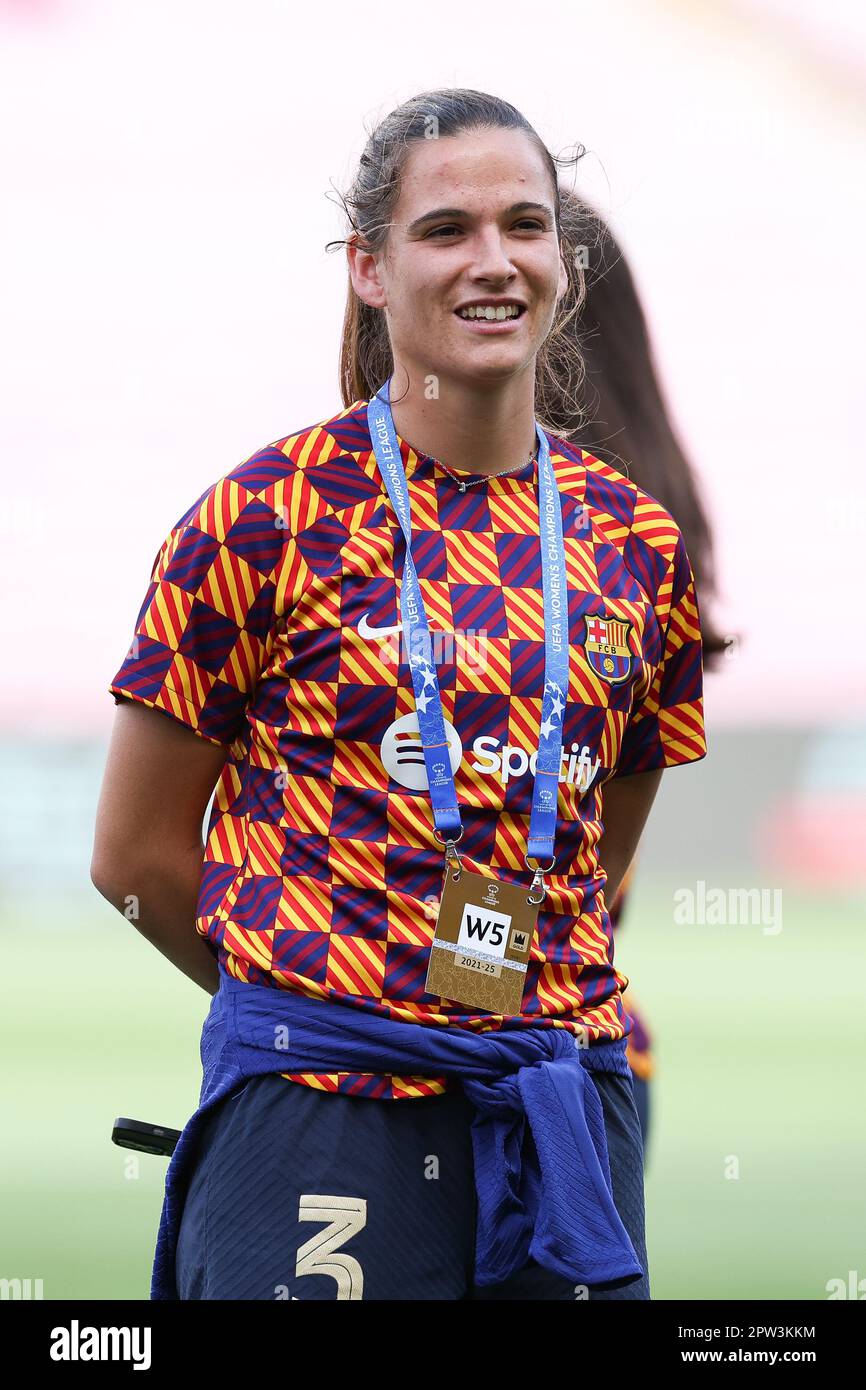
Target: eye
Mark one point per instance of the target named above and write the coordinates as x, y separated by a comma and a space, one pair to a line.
532, 222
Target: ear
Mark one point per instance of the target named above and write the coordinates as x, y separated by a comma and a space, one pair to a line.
364, 274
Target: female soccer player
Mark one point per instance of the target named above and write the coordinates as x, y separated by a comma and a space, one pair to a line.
623, 419
412, 643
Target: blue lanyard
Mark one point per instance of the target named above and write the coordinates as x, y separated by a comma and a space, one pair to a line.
428, 701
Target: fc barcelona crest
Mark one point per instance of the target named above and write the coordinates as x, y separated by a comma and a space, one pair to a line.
606, 647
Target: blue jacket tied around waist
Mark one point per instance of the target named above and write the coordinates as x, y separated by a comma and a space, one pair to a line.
550, 1201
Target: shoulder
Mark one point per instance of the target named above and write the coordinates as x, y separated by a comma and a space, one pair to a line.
629, 518
277, 472
340, 438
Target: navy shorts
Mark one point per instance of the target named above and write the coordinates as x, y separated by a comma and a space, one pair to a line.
301, 1194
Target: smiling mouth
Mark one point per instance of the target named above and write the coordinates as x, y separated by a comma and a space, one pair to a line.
490, 314
492, 328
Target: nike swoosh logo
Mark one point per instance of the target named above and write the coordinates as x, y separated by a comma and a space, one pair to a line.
365, 630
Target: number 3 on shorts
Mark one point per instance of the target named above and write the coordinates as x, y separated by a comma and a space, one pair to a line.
321, 1254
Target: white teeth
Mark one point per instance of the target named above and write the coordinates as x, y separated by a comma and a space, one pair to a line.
489, 311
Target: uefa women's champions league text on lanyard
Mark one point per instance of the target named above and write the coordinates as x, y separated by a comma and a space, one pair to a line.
484, 928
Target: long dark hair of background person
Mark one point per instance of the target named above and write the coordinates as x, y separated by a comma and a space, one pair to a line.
623, 418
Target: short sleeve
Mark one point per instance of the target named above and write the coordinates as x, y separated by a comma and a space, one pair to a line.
202, 632
667, 726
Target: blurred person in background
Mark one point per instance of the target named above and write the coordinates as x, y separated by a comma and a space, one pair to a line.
624, 421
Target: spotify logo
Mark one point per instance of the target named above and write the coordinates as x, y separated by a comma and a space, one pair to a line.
403, 756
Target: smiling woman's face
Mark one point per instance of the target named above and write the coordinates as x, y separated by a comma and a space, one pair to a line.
492, 235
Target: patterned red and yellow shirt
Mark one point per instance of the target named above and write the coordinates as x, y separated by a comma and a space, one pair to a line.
639, 1053
271, 626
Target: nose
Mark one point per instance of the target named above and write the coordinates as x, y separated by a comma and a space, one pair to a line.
490, 259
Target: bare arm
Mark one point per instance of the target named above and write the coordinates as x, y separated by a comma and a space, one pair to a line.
158, 780
626, 805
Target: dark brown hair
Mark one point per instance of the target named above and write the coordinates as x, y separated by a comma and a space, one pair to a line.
622, 417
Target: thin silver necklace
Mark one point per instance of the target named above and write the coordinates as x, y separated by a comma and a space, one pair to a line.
503, 472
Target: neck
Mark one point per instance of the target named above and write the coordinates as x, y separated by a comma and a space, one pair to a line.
472, 428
